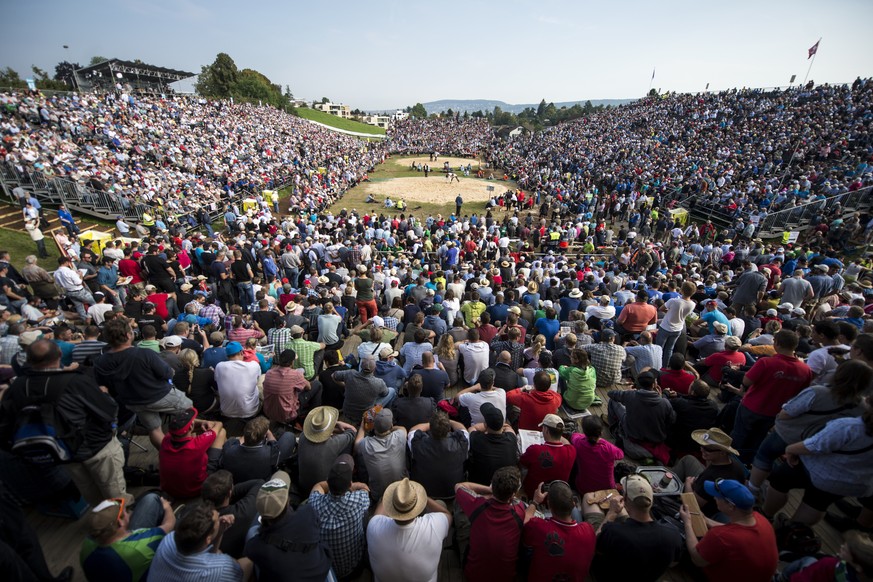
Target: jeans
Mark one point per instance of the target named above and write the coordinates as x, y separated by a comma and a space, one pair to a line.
771, 449
386, 400
148, 512
667, 341
79, 298
291, 275
749, 431
246, 295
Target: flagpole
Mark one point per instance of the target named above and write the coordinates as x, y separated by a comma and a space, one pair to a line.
651, 82
809, 68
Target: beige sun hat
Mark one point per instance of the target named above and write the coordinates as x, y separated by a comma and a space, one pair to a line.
404, 500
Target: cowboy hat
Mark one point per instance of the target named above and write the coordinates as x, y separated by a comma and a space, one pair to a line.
714, 437
404, 500
319, 424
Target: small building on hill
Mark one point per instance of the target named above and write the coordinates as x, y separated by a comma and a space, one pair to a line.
382, 121
337, 109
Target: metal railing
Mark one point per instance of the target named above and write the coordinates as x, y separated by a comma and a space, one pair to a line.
795, 218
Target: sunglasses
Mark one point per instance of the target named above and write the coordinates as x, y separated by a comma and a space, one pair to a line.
120, 501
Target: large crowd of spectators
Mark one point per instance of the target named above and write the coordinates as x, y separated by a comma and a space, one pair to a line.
329, 393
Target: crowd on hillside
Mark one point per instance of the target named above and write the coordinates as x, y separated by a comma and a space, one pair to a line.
329, 393
445, 135
176, 154
744, 152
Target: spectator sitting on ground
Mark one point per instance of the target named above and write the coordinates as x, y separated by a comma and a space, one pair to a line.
552, 460
237, 383
236, 498
535, 402
190, 451
259, 454
411, 408
383, 452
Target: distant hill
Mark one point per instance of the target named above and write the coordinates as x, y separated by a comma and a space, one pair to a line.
471, 105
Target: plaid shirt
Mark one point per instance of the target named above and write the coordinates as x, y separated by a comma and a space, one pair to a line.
412, 353
241, 334
342, 527
305, 351
213, 312
515, 349
607, 360
279, 338
391, 322
9, 347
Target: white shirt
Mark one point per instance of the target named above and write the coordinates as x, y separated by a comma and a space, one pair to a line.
399, 553
97, 312
238, 388
475, 359
823, 363
473, 401
677, 310
68, 279
738, 326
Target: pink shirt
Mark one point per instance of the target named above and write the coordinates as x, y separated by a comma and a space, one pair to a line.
595, 463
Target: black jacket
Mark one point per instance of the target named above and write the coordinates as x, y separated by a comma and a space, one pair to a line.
84, 415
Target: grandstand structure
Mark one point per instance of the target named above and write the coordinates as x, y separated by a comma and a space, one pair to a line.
140, 77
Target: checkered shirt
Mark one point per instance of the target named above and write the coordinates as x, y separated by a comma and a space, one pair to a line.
213, 312
305, 351
607, 360
391, 322
342, 527
9, 347
515, 349
279, 338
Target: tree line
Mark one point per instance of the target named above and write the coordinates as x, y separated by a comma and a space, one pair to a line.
545, 115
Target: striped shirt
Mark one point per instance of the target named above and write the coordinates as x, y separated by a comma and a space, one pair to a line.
87, 349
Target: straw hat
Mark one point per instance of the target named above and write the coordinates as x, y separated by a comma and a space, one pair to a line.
404, 500
320, 423
714, 437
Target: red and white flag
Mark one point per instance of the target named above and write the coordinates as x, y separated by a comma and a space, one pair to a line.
813, 49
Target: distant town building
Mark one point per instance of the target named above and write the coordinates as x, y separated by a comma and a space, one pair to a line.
400, 115
382, 121
337, 109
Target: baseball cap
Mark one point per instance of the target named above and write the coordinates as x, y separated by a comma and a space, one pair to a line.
719, 327
233, 348
339, 479
515, 309
638, 490
368, 365
772, 313
492, 416
171, 341
384, 421
377, 321
106, 513
181, 422
607, 334
647, 379
785, 306
552, 421
272, 499
732, 342
731, 491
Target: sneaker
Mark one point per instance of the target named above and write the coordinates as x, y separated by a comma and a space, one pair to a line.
848, 508
842, 524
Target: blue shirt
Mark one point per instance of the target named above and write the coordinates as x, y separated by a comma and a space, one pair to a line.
549, 328
214, 356
171, 566
711, 317
108, 276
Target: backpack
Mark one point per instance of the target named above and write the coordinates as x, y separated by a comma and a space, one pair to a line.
798, 539
35, 437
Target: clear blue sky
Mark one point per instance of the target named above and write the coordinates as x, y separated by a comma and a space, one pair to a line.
380, 54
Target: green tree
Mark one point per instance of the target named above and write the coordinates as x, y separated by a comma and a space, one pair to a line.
288, 94
418, 111
541, 109
65, 71
9, 78
96, 60
39, 74
450, 113
325, 100
217, 80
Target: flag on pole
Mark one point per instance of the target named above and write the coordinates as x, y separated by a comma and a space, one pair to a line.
653, 72
813, 49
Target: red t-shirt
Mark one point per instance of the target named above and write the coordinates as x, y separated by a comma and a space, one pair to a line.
130, 268
561, 550
183, 464
160, 301
494, 537
534, 406
721, 359
740, 552
775, 380
546, 462
595, 463
487, 333
677, 380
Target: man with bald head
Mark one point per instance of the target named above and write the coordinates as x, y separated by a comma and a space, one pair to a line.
505, 376
646, 354
84, 416
434, 379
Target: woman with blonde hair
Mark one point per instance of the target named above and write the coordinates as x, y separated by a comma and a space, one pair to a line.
532, 353
197, 383
448, 357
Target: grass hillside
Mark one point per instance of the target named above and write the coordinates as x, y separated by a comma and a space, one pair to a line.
338, 122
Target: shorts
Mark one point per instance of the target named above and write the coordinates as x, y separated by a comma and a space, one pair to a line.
785, 478
149, 415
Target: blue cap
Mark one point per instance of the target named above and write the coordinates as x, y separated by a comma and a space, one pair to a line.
233, 348
731, 491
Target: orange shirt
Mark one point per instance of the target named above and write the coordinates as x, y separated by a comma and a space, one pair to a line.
636, 316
